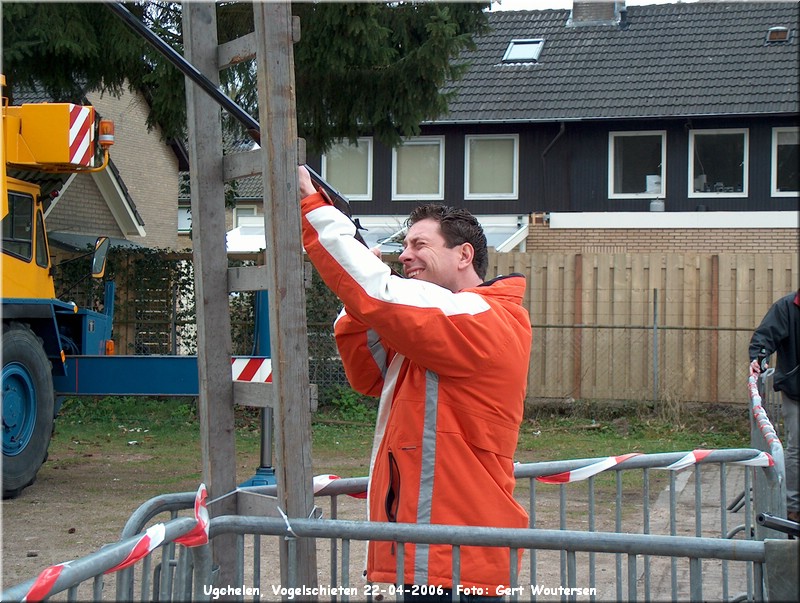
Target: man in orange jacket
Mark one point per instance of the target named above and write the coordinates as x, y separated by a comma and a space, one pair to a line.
447, 354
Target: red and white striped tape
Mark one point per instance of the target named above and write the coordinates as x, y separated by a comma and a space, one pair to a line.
585, 472
145, 545
252, 369
44, 583
763, 459
199, 534
80, 135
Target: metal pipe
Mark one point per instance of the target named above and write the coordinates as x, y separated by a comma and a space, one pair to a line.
185, 67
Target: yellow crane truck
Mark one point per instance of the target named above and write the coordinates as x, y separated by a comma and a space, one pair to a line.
39, 330
52, 348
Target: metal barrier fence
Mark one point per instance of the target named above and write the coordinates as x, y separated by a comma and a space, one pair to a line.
622, 528
769, 490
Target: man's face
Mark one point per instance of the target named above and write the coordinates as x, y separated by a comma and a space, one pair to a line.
426, 257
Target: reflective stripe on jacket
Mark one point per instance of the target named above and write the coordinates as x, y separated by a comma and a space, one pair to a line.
451, 371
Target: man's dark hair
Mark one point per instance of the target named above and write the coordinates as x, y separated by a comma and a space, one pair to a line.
458, 226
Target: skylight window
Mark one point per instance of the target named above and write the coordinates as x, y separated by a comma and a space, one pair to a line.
523, 51
777, 34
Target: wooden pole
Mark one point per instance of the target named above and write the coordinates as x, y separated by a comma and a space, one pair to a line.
215, 402
284, 267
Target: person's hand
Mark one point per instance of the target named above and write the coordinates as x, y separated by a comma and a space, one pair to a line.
304, 180
758, 366
376, 251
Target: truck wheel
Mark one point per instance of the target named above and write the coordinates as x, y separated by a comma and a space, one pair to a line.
27, 408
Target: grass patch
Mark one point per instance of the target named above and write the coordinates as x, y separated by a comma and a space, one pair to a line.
163, 435
580, 429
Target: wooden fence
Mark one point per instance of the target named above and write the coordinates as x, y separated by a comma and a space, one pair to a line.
645, 326
672, 327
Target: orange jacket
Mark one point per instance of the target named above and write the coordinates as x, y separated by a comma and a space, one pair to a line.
451, 371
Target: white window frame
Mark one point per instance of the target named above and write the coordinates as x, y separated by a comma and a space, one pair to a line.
188, 210
418, 141
533, 46
745, 168
612, 136
366, 141
238, 214
514, 194
774, 162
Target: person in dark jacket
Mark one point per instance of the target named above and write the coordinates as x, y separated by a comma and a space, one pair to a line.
779, 332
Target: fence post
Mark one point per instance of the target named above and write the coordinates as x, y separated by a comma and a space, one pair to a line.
655, 345
577, 334
714, 360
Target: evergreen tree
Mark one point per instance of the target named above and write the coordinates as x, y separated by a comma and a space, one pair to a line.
360, 67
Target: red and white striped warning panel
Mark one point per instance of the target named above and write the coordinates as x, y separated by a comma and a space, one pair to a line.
252, 369
81, 120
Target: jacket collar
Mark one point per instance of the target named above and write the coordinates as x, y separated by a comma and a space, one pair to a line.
511, 286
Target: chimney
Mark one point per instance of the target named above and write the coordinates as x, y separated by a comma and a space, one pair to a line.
596, 12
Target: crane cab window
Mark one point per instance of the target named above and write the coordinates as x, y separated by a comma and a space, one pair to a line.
42, 253
18, 226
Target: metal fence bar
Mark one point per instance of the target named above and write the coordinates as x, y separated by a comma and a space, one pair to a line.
401, 561
748, 526
632, 577
723, 523
257, 566
618, 528
345, 564
146, 586
592, 567
562, 522
673, 531
646, 528
182, 577
554, 540
97, 588
513, 579
167, 554
532, 523
202, 570
696, 579
698, 500
769, 491
456, 559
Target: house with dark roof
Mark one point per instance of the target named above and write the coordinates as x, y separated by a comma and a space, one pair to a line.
666, 127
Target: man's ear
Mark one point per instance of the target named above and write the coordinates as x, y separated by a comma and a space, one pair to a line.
467, 255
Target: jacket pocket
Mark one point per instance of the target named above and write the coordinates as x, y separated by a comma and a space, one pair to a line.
393, 494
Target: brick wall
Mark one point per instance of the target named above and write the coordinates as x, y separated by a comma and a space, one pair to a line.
706, 240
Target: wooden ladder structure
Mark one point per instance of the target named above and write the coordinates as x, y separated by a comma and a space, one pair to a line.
282, 273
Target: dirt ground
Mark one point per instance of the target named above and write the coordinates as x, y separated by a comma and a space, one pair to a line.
76, 505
